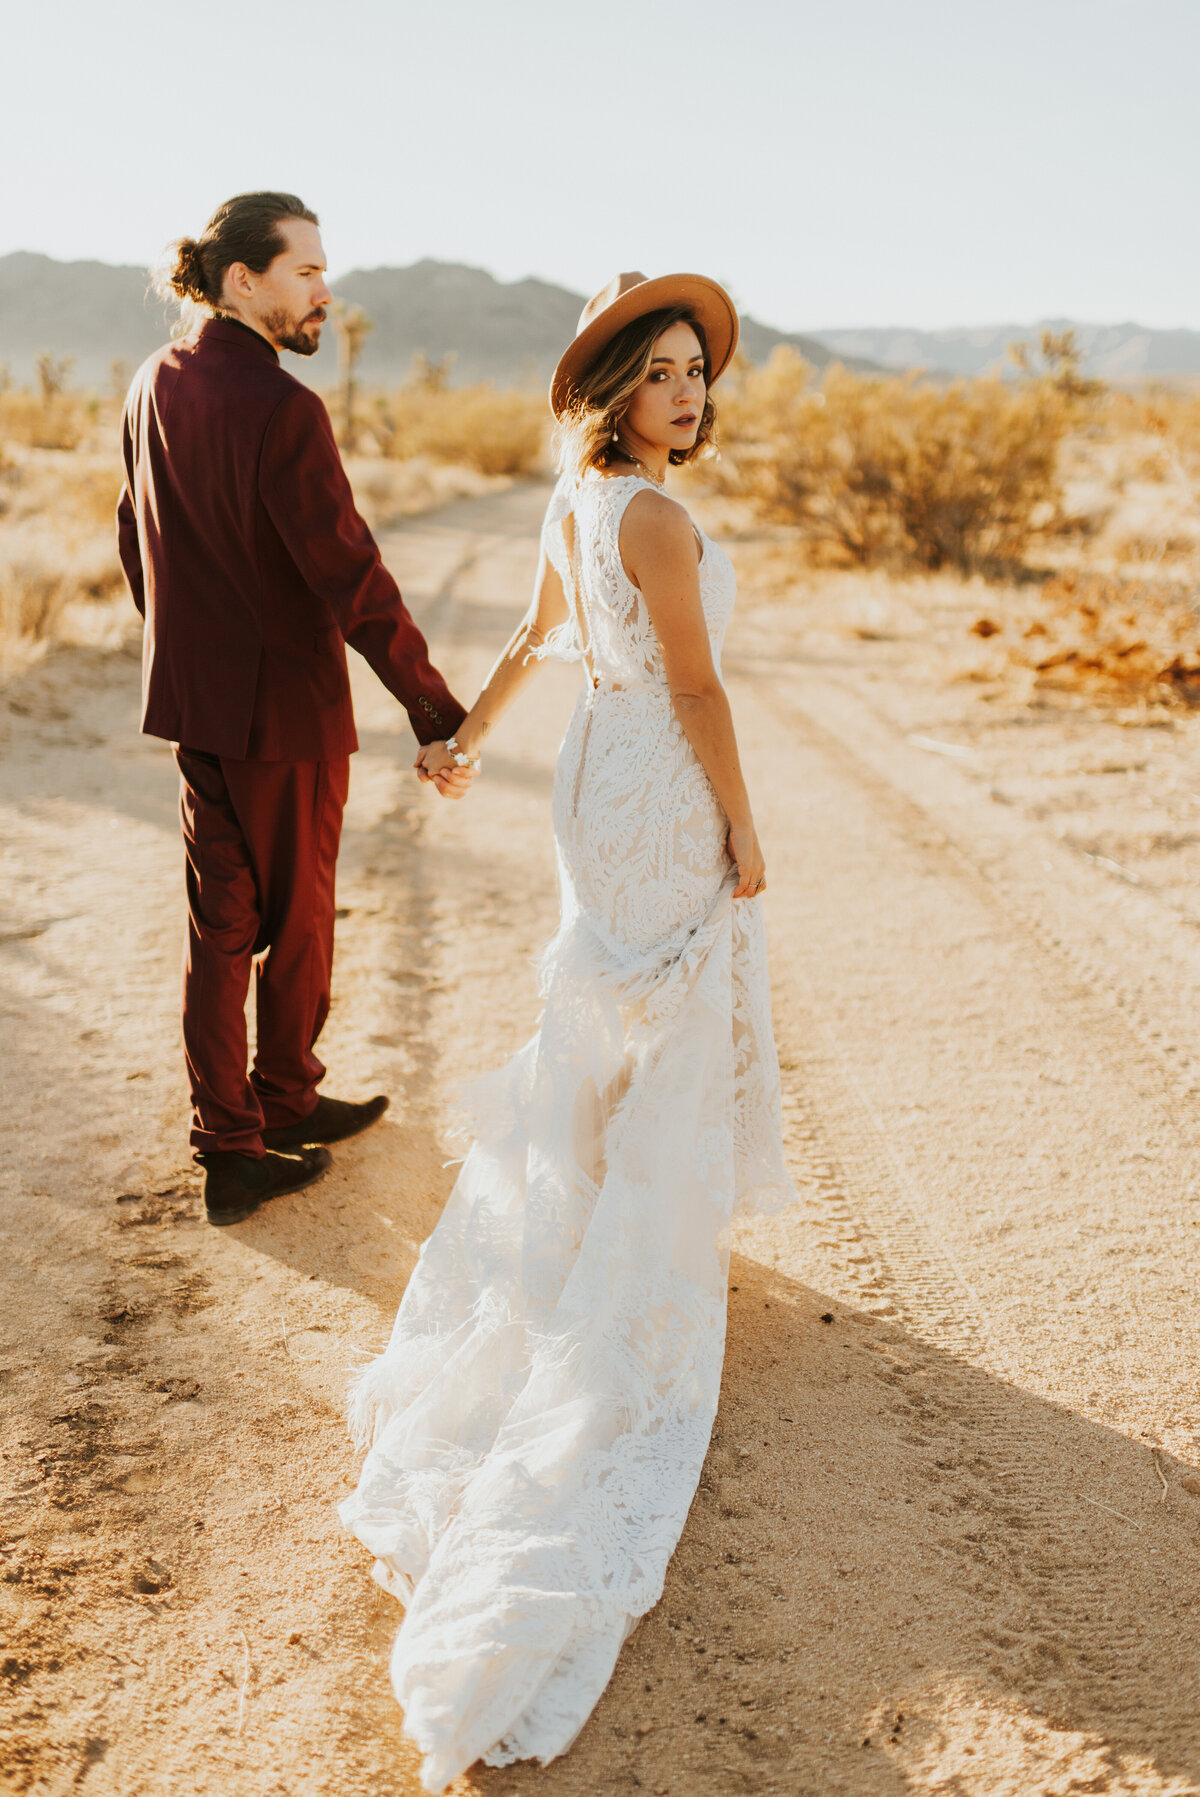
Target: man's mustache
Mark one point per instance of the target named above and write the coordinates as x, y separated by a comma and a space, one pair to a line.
317, 317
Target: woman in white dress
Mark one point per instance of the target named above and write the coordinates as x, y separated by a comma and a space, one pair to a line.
539, 1420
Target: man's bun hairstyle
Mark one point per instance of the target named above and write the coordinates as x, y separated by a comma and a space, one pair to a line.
244, 229
184, 275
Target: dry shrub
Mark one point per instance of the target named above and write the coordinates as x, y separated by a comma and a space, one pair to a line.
1114, 639
57, 543
1164, 424
60, 477
33, 591
1160, 549
36, 581
72, 491
493, 430
386, 491
898, 469
41, 574
45, 421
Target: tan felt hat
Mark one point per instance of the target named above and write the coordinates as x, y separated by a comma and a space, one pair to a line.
631, 296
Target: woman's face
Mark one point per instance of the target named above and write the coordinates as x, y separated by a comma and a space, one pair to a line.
667, 408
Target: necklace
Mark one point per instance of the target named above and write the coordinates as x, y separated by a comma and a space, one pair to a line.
627, 456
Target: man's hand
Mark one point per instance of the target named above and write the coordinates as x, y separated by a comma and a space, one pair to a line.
435, 763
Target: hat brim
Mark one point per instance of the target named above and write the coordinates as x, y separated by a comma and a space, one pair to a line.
712, 306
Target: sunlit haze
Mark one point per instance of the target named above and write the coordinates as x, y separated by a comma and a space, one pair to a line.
930, 163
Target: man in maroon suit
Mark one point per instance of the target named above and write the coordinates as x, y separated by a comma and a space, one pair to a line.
252, 568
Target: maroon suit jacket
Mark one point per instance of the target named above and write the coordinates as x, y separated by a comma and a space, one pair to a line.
250, 564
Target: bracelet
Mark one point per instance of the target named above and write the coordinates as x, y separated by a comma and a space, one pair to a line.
456, 754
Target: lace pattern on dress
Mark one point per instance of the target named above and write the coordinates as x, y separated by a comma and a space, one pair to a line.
540, 1418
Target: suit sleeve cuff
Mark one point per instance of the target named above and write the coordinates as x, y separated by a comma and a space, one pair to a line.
434, 723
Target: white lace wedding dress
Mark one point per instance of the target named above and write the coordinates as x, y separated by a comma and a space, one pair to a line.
540, 1417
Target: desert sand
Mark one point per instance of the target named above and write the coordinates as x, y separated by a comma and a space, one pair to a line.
948, 1534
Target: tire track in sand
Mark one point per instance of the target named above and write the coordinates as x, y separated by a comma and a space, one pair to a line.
1027, 984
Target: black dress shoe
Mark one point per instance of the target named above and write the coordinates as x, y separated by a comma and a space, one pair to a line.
332, 1121
236, 1184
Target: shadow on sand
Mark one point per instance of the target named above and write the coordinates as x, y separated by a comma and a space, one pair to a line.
892, 1555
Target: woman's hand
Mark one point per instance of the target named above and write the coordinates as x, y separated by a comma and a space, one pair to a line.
435, 763
742, 844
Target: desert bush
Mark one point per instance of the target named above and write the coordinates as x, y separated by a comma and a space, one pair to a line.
1057, 361
53, 420
896, 469
387, 491
33, 591
57, 543
72, 492
40, 574
1115, 639
494, 430
1163, 423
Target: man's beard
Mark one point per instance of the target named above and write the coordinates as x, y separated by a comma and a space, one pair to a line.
290, 335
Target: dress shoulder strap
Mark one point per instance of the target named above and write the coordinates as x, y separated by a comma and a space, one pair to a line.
613, 497
602, 504
608, 496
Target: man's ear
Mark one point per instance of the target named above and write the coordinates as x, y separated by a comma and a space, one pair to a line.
240, 279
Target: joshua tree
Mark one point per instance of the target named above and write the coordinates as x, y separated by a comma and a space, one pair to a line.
351, 325
52, 372
1057, 359
430, 377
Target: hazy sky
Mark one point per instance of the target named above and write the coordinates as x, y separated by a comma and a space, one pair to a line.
843, 162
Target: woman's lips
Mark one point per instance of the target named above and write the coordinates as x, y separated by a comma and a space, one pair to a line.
686, 422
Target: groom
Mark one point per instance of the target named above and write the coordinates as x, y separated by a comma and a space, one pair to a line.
252, 568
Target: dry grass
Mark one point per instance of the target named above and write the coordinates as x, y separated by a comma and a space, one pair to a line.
1079, 504
1166, 420
490, 429
52, 416
387, 492
60, 576
29, 422
1111, 639
897, 471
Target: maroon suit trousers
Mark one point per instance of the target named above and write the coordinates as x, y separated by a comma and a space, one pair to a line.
262, 842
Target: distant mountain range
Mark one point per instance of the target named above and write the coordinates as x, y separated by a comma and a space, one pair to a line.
506, 331
1112, 352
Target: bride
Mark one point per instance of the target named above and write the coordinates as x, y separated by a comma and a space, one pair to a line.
540, 1418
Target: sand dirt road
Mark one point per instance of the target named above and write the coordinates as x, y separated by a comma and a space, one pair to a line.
948, 1535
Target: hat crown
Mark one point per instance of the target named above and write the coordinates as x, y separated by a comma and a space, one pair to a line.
607, 296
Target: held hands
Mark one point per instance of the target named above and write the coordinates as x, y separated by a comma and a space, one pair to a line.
743, 847
435, 764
